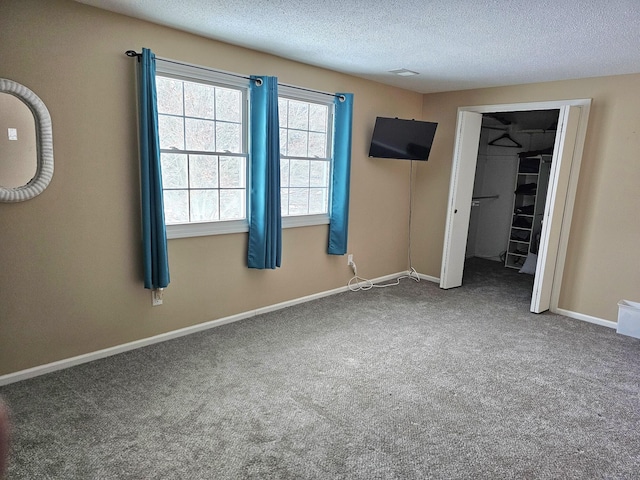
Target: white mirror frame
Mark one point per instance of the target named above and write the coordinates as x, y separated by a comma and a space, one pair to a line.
44, 144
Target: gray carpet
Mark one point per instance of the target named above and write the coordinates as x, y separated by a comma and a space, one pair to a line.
408, 382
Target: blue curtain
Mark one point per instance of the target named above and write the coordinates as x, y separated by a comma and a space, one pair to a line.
154, 235
265, 217
341, 174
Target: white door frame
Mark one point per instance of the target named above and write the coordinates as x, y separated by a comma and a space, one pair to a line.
552, 276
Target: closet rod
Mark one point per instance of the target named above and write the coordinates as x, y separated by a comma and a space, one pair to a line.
512, 155
485, 196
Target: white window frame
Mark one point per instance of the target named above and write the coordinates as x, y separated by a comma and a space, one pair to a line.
293, 93
194, 73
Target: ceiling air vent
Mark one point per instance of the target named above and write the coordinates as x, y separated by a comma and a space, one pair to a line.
403, 72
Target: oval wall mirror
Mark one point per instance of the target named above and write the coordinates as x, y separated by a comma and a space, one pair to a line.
26, 143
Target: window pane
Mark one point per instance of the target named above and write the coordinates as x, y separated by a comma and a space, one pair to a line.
171, 132
299, 171
297, 144
284, 172
298, 201
317, 145
232, 204
318, 200
176, 206
174, 170
232, 172
203, 171
204, 205
199, 100
228, 105
284, 201
200, 135
228, 137
282, 111
283, 141
318, 117
298, 115
169, 93
319, 173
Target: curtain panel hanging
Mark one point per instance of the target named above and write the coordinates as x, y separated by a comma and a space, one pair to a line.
154, 235
341, 174
265, 217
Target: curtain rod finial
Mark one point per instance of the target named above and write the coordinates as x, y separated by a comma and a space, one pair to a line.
131, 53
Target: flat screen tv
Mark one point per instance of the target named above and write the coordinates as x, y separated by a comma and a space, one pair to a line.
402, 139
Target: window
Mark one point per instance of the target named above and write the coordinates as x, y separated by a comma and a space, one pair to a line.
305, 146
202, 130
202, 118
202, 152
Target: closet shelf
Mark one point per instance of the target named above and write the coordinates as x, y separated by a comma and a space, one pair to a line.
525, 226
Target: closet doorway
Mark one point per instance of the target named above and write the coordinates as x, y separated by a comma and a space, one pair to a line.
563, 174
510, 187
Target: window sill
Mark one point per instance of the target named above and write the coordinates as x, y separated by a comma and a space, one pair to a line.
238, 226
203, 229
293, 221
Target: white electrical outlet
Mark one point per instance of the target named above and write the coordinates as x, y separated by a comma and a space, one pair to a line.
156, 297
350, 259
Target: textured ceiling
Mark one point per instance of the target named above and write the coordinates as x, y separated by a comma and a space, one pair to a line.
452, 44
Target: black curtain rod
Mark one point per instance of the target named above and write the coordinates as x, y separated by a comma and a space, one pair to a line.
133, 53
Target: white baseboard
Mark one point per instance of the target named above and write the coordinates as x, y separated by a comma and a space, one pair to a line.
586, 318
107, 352
429, 278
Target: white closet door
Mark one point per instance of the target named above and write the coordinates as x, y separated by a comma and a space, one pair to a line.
554, 208
463, 175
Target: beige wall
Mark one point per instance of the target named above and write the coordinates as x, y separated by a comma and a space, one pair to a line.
603, 259
71, 268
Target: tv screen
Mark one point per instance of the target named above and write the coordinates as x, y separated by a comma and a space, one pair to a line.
403, 139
